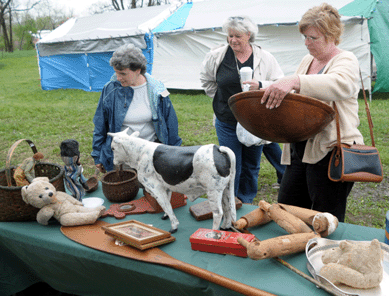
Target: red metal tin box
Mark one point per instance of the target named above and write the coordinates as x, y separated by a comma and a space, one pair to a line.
218, 241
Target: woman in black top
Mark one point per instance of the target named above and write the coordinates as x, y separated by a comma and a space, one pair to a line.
220, 79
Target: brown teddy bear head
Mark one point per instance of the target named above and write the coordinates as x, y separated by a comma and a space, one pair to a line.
39, 193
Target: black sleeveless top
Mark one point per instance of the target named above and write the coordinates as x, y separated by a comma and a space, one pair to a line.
228, 84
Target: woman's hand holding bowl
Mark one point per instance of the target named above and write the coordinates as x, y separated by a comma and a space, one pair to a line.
275, 93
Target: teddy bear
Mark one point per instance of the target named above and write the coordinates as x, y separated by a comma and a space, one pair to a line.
60, 205
356, 264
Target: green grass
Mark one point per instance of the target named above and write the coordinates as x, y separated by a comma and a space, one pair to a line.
49, 117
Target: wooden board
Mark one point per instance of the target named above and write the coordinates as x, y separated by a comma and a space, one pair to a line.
94, 236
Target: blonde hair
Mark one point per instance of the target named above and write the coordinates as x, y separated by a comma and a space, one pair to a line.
326, 19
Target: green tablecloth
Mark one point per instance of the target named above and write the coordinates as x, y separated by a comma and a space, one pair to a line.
31, 253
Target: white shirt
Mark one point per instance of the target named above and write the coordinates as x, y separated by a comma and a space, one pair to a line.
139, 116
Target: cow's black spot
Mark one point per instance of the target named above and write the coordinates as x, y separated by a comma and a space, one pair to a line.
174, 164
222, 162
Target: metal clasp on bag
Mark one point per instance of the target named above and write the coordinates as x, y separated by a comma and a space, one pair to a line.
338, 151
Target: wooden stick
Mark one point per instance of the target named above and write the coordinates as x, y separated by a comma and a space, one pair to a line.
312, 280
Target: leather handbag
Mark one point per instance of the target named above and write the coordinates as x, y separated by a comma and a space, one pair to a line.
355, 163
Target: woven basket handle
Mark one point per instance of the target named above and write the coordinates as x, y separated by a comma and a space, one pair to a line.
9, 155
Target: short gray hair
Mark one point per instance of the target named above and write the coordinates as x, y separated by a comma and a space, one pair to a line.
241, 24
129, 56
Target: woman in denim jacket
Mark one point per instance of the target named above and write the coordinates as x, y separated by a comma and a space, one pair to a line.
132, 99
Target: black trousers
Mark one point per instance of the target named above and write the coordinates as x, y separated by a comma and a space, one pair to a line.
308, 186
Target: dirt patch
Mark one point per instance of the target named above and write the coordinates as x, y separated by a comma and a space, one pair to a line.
378, 192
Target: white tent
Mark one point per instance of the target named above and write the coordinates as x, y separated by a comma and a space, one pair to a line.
178, 54
176, 38
76, 54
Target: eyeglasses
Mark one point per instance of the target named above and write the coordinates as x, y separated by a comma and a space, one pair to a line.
309, 38
237, 18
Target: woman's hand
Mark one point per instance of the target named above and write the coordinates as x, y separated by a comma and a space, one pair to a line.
254, 84
275, 93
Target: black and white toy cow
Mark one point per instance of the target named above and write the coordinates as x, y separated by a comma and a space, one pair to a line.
193, 171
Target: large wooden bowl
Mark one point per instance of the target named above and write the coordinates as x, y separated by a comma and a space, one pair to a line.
298, 118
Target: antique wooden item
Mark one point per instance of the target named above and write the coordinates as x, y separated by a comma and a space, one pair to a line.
278, 246
138, 234
286, 220
298, 118
323, 223
254, 218
94, 237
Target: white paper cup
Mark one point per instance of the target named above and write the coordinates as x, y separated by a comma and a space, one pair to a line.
246, 74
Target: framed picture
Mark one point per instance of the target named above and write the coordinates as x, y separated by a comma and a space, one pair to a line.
138, 234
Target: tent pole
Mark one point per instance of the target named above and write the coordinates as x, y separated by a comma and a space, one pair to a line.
371, 75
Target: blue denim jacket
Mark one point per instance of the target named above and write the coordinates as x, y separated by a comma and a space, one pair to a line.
112, 108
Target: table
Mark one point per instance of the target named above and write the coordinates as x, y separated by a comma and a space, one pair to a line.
31, 253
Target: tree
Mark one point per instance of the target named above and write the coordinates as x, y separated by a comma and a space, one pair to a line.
7, 11
5, 16
23, 32
49, 16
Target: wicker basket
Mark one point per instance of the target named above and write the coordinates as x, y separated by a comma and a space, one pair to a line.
120, 185
12, 206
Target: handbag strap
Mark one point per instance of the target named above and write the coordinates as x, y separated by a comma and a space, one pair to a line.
367, 112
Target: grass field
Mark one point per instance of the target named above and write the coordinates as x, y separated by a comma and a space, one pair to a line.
49, 117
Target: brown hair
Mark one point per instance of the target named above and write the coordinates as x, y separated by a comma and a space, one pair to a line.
326, 19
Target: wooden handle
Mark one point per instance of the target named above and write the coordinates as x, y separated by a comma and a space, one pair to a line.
9, 156
220, 280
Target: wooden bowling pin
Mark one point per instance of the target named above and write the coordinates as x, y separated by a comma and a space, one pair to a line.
254, 218
283, 218
322, 223
278, 246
